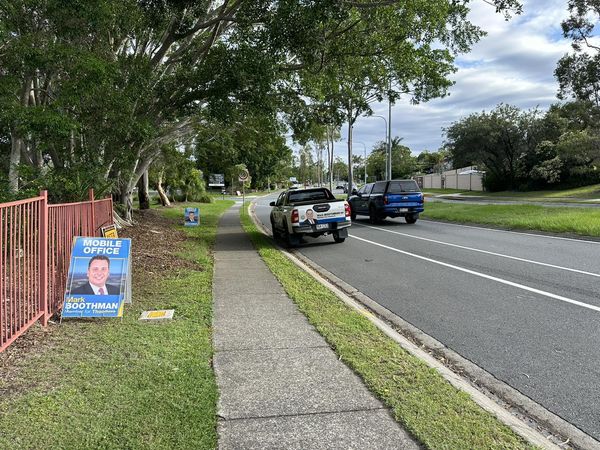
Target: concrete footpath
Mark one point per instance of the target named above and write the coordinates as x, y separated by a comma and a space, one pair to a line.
280, 385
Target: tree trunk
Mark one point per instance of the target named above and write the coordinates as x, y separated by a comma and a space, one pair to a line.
15, 160
125, 199
330, 149
350, 174
143, 196
164, 200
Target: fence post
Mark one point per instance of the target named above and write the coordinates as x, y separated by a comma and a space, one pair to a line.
93, 209
43, 235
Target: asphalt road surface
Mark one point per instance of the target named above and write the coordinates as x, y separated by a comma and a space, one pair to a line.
524, 307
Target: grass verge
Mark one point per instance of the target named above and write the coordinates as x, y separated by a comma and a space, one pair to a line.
433, 411
581, 221
115, 384
582, 193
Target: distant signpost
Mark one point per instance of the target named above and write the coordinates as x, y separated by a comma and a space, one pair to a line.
243, 177
216, 180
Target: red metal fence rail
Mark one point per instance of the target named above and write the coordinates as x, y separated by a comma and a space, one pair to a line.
35, 250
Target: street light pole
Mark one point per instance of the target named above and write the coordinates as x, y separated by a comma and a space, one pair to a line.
389, 134
388, 172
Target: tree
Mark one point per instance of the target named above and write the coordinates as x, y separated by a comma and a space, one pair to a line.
340, 169
404, 164
254, 138
432, 162
393, 50
578, 74
100, 88
496, 140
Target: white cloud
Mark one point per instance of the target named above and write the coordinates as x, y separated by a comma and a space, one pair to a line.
513, 64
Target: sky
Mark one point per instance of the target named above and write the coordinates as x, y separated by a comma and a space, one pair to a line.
514, 64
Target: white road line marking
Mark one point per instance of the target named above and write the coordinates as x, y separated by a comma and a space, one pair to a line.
522, 233
482, 275
592, 274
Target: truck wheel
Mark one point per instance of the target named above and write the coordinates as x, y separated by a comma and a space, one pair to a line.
288, 238
276, 235
411, 218
337, 238
373, 218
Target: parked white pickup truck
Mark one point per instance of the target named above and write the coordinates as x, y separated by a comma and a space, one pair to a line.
309, 212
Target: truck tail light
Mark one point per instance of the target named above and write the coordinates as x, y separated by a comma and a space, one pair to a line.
386, 200
295, 216
347, 207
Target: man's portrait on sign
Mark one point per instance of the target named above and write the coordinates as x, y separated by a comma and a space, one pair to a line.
98, 273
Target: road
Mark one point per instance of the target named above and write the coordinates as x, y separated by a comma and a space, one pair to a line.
524, 307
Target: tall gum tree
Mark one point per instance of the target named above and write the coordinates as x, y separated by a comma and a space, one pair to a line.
398, 48
124, 78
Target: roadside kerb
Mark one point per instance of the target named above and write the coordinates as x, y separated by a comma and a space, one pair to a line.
514, 409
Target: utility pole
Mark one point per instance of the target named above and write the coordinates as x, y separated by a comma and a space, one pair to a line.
389, 133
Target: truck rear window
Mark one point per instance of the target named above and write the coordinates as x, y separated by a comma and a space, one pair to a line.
310, 195
399, 187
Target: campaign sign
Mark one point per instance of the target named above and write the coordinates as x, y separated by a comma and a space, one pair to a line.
216, 179
99, 279
110, 231
191, 217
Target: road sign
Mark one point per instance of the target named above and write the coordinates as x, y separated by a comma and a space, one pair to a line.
244, 175
216, 179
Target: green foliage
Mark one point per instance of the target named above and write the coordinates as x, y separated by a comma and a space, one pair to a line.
204, 198
111, 83
249, 137
578, 74
522, 149
340, 169
432, 162
404, 165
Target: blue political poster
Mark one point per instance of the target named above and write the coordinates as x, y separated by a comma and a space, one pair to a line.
191, 217
99, 279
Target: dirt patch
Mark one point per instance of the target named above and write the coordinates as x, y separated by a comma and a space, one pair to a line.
155, 243
153, 248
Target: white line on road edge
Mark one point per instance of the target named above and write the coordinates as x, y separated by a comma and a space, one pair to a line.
592, 274
482, 275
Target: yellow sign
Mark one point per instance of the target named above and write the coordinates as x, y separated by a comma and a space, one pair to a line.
110, 232
158, 314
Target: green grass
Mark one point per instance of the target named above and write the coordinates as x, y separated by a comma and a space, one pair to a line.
437, 414
581, 221
113, 384
580, 193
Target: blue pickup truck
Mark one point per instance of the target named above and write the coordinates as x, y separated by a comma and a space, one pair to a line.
395, 198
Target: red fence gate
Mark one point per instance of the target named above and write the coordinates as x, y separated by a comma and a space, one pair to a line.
35, 250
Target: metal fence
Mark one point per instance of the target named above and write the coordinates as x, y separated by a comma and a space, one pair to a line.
35, 250
467, 178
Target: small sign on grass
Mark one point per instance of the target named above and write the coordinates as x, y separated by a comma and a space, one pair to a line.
191, 217
161, 314
110, 231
